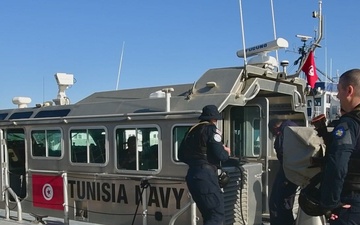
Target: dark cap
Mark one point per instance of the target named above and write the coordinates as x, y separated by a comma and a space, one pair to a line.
210, 112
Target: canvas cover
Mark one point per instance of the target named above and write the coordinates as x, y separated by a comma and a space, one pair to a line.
300, 145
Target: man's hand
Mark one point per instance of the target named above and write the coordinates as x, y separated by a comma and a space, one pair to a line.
227, 149
334, 216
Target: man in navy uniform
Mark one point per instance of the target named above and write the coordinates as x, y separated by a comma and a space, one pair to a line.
283, 192
204, 153
340, 186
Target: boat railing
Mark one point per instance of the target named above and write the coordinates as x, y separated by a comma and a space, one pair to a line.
191, 204
8, 191
6, 181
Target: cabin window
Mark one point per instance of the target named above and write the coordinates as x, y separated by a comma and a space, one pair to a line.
245, 131
328, 98
137, 148
52, 113
46, 143
317, 101
88, 145
309, 103
3, 116
20, 115
178, 135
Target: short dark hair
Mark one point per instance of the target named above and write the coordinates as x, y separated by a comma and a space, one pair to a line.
272, 123
351, 77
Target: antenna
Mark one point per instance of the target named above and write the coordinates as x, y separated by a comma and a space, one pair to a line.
261, 58
120, 64
273, 21
242, 32
303, 49
330, 68
43, 88
325, 52
264, 47
243, 55
303, 38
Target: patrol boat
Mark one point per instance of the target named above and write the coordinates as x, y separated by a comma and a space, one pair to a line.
323, 100
64, 160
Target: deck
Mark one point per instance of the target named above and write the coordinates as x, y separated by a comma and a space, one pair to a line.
29, 219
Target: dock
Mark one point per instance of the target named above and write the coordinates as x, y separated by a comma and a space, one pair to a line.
29, 219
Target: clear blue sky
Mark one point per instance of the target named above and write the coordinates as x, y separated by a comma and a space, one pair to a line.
166, 42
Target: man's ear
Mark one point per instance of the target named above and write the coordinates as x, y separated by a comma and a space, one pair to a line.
350, 90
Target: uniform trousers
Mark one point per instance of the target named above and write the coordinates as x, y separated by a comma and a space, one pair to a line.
281, 200
204, 188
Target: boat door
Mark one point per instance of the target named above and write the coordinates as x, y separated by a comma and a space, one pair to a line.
250, 137
15, 145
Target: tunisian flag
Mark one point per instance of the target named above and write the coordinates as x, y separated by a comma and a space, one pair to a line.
48, 191
309, 69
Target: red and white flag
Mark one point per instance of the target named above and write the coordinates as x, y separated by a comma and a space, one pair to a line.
309, 69
48, 191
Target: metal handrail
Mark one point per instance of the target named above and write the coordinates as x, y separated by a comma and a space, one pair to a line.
5, 171
66, 203
296, 93
181, 211
18, 203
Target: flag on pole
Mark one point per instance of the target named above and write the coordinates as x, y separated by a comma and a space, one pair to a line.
309, 69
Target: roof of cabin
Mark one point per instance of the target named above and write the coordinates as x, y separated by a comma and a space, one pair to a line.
219, 87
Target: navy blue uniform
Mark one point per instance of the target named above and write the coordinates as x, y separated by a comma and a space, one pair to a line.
201, 178
337, 187
283, 191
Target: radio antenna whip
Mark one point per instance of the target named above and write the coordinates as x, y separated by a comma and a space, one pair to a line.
274, 27
242, 31
120, 64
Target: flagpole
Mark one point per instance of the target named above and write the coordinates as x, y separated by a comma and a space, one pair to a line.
317, 41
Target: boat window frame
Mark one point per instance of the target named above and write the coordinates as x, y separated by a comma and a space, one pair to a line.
138, 168
88, 161
245, 133
175, 143
47, 155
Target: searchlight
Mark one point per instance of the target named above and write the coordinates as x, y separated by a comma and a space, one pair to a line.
64, 81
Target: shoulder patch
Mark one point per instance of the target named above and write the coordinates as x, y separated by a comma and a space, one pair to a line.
342, 135
217, 137
339, 132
